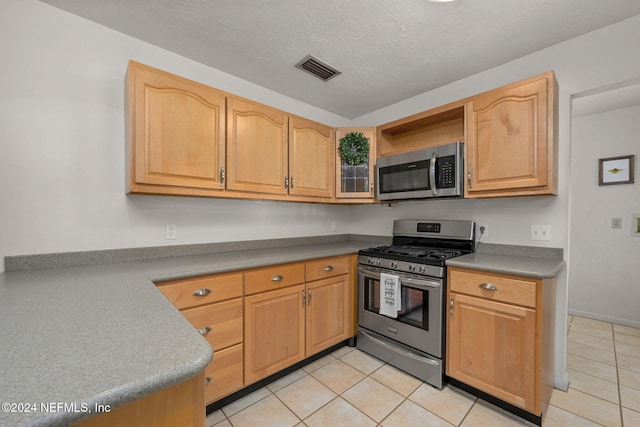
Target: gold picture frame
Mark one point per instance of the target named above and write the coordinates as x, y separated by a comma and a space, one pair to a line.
616, 170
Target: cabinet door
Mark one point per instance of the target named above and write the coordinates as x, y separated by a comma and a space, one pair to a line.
311, 158
274, 331
177, 130
328, 320
510, 140
256, 148
356, 181
492, 346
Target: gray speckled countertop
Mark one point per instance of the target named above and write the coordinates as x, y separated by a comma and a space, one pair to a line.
104, 334
540, 263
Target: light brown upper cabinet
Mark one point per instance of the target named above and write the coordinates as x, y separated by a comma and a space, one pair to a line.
355, 181
175, 135
511, 139
311, 158
257, 148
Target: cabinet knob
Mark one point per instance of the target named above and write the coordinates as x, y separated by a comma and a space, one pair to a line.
207, 380
451, 307
202, 292
277, 278
488, 286
328, 268
204, 330
469, 177
222, 177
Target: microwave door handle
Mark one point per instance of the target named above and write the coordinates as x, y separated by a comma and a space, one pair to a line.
432, 174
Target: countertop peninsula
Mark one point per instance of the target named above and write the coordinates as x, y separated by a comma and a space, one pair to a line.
103, 334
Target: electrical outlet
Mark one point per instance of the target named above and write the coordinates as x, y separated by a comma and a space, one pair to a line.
483, 231
540, 232
170, 232
616, 222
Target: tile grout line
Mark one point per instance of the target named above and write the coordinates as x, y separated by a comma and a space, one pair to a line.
615, 355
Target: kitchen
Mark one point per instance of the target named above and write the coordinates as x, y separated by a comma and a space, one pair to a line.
63, 180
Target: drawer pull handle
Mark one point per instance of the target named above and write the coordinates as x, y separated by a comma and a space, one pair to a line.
207, 380
488, 286
204, 330
202, 292
277, 278
328, 268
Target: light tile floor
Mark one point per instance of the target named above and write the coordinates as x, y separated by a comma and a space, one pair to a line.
351, 388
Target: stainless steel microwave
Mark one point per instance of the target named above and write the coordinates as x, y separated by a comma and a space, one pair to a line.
430, 172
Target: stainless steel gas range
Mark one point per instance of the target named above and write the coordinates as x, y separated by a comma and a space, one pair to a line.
401, 294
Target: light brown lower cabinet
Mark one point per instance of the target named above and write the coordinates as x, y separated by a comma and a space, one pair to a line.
500, 337
286, 325
263, 320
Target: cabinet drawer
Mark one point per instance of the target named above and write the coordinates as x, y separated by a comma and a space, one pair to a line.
220, 323
266, 279
509, 289
327, 267
201, 290
224, 374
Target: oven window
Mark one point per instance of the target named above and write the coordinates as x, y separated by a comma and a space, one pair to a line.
415, 303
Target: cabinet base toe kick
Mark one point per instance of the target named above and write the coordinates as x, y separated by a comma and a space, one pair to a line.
525, 415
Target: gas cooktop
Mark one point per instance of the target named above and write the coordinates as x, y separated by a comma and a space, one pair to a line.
422, 242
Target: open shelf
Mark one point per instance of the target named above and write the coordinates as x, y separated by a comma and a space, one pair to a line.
438, 126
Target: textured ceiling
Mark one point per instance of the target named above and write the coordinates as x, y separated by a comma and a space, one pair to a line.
387, 50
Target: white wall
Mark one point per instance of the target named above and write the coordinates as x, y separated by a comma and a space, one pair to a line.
604, 282
62, 138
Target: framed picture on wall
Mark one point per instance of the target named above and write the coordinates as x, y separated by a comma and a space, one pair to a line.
616, 170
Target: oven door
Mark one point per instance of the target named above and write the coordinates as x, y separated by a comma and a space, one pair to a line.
419, 322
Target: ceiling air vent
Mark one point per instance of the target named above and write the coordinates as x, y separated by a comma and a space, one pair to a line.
319, 69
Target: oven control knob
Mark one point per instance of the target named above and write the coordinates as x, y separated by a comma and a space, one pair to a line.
369, 261
412, 267
394, 264
377, 260
421, 269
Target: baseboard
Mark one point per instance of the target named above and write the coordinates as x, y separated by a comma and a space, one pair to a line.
604, 318
561, 383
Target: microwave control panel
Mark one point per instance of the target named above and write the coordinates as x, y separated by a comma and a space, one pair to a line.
446, 171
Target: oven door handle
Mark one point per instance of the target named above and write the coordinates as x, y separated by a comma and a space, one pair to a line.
402, 352
422, 284
416, 283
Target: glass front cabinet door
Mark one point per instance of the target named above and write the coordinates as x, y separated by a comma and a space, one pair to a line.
355, 167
